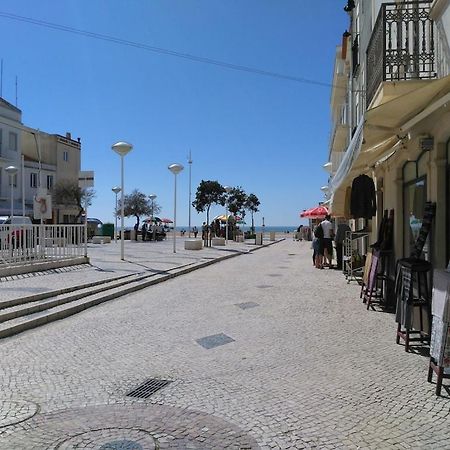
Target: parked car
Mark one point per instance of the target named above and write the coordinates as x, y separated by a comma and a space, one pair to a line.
18, 232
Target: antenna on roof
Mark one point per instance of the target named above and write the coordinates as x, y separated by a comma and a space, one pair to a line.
16, 91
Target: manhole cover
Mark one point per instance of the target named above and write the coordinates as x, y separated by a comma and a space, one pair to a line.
247, 305
111, 439
148, 388
214, 340
16, 411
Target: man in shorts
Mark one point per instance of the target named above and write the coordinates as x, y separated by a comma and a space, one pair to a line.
328, 234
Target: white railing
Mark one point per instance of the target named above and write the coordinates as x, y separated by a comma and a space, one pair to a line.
28, 244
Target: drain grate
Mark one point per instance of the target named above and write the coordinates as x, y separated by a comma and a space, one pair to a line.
148, 388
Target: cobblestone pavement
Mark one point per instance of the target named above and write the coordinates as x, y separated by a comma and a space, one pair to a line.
145, 257
263, 351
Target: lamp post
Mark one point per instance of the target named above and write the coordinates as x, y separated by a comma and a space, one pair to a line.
11, 171
190, 193
175, 169
227, 190
122, 149
152, 198
116, 190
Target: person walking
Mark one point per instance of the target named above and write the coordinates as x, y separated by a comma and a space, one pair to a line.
195, 231
328, 234
144, 231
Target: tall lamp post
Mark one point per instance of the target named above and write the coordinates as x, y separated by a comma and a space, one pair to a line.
190, 193
175, 169
116, 190
227, 190
152, 198
122, 149
11, 171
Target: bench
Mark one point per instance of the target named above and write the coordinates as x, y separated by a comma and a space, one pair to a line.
218, 241
101, 239
193, 244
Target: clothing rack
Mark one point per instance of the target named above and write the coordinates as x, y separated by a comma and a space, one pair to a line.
353, 260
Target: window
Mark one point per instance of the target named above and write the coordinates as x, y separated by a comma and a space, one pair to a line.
66, 156
33, 179
49, 182
13, 141
414, 198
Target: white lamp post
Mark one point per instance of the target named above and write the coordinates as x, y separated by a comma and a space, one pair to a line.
227, 190
122, 149
175, 169
11, 171
152, 198
116, 190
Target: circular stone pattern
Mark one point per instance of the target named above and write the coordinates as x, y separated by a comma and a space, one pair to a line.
16, 411
129, 426
111, 439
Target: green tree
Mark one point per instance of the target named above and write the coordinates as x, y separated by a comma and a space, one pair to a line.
136, 205
208, 193
251, 205
236, 200
67, 193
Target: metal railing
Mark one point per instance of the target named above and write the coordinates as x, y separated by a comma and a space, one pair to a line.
401, 46
28, 244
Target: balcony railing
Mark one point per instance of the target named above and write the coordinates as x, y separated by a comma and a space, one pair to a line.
401, 46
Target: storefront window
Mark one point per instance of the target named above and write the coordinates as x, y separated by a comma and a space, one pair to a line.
414, 199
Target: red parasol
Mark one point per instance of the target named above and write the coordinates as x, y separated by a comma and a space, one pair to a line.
165, 220
318, 212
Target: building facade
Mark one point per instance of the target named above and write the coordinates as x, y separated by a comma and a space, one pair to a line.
394, 94
41, 160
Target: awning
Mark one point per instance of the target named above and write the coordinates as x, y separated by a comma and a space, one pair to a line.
381, 129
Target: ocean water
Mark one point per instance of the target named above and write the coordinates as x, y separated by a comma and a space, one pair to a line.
266, 229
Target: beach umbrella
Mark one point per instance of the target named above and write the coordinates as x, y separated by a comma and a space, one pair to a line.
318, 212
154, 220
165, 220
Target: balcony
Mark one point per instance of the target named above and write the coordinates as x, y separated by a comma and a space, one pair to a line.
401, 46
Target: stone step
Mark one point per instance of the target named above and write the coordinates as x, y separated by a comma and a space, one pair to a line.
31, 307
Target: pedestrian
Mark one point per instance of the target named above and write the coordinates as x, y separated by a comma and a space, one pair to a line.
136, 230
205, 234
317, 245
328, 235
195, 231
144, 231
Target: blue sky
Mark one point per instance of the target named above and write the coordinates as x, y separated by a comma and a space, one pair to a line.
268, 135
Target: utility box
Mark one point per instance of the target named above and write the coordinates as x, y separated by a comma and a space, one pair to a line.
108, 230
272, 235
258, 239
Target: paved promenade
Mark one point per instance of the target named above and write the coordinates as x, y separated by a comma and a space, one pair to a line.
262, 350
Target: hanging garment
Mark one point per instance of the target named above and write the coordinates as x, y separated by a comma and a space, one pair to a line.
363, 203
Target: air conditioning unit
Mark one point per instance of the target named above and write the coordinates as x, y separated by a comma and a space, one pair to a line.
426, 144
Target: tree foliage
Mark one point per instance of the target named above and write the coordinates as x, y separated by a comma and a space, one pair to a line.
251, 205
208, 193
236, 200
67, 193
136, 205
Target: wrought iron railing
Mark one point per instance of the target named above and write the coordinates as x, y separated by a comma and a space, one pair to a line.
401, 46
28, 244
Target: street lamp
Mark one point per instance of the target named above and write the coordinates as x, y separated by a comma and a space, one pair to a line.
116, 190
122, 149
152, 198
11, 171
227, 190
175, 169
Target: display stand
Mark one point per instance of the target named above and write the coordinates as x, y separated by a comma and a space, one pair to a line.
440, 332
353, 261
412, 294
377, 277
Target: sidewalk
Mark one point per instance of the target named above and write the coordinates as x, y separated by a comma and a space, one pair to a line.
105, 263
